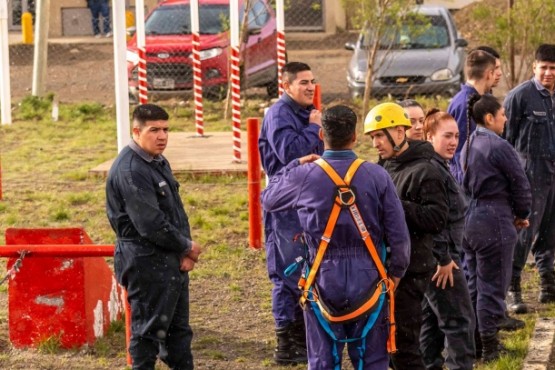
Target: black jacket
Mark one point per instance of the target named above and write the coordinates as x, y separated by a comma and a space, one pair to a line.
422, 192
143, 203
448, 243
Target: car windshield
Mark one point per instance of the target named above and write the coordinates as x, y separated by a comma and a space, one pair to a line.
419, 32
176, 20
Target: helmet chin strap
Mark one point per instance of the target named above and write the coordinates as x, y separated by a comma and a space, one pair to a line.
396, 148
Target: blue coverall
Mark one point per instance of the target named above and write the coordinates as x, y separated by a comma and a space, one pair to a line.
153, 233
286, 134
531, 130
347, 272
499, 191
458, 108
448, 319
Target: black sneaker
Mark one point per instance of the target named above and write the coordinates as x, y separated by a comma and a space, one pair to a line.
510, 324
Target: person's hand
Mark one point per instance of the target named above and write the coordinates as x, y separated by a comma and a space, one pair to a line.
315, 117
195, 251
308, 158
521, 223
444, 274
187, 264
396, 281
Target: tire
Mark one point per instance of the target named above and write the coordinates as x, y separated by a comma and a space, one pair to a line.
215, 93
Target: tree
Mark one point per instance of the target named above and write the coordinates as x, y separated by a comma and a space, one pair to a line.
522, 26
377, 20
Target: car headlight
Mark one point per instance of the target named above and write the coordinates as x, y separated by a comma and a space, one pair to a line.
360, 76
132, 57
442, 75
209, 53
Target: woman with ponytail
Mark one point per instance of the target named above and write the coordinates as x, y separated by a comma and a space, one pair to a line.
448, 316
500, 202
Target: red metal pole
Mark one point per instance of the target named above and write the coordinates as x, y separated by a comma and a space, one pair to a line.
236, 104
253, 174
127, 308
317, 97
143, 99
58, 250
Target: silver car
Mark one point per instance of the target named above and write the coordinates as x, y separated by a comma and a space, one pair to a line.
412, 59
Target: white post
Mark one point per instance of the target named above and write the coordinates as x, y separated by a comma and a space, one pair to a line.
280, 25
235, 79
197, 70
5, 91
141, 49
120, 72
40, 57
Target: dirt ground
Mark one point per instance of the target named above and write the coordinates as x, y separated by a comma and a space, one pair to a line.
79, 72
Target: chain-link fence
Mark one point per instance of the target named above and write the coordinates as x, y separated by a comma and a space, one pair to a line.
318, 32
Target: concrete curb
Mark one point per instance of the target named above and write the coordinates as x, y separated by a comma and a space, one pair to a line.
541, 343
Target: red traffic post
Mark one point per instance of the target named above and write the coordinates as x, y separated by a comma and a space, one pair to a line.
317, 101
253, 175
61, 294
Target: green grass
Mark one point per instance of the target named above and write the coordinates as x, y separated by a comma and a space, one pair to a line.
45, 183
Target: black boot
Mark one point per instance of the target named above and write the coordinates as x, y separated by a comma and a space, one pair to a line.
508, 323
547, 287
298, 335
514, 298
287, 352
490, 347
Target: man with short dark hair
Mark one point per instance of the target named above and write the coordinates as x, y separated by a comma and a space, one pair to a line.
290, 130
531, 130
361, 216
480, 77
498, 71
154, 248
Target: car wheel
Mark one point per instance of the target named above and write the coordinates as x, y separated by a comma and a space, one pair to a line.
215, 93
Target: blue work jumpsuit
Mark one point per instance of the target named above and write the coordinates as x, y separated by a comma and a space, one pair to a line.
498, 191
448, 316
286, 134
153, 233
347, 271
458, 108
531, 130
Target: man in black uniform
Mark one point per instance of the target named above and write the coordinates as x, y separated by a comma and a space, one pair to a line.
424, 198
154, 249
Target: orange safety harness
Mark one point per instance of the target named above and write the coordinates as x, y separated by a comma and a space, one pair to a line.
346, 199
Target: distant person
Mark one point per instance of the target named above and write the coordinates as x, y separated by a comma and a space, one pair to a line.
500, 203
347, 276
498, 71
290, 130
480, 77
449, 321
531, 130
154, 248
416, 116
100, 8
422, 192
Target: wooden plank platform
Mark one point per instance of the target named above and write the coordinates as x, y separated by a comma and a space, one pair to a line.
188, 153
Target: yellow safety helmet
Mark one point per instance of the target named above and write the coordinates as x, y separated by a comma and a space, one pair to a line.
385, 115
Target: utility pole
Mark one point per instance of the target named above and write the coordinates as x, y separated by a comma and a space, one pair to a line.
512, 80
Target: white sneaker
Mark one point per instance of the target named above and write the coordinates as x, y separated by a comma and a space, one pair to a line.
109, 34
97, 36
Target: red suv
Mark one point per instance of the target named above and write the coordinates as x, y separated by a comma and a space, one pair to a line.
169, 48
